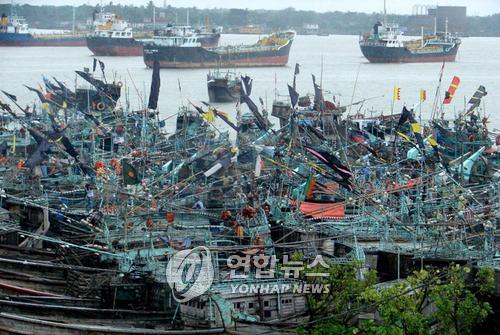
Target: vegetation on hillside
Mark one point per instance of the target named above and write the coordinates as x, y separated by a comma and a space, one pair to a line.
334, 22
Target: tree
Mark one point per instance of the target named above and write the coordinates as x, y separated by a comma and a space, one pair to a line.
402, 306
450, 301
334, 311
458, 307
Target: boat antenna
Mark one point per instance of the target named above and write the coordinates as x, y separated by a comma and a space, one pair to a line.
385, 12
321, 75
74, 19
354, 90
438, 89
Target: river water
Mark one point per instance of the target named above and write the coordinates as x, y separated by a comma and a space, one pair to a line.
335, 59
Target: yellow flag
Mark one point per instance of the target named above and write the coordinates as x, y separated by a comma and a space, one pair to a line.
397, 93
14, 143
416, 127
47, 107
64, 105
432, 142
209, 116
404, 136
423, 95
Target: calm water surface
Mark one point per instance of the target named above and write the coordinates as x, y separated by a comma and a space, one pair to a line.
478, 63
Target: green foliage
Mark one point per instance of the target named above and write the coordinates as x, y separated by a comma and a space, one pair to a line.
458, 309
344, 298
428, 302
332, 22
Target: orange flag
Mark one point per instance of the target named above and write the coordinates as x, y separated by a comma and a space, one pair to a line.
451, 91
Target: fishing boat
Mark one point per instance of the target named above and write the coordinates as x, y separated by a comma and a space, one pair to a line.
223, 86
14, 32
187, 52
96, 214
113, 37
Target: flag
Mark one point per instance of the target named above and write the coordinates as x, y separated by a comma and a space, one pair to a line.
209, 115
101, 65
309, 187
5, 107
319, 101
416, 128
417, 131
423, 95
405, 116
297, 69
38, 92
154, 93
451, 90
397, 93
475, 101
246, 84
294, 96
95, 65
406, 138
14, 143
10, 96
295, 73
432, 142
223, 115
38, 155
129, 174
332, 161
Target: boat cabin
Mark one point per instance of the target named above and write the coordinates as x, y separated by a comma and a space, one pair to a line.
114, 33
13, 25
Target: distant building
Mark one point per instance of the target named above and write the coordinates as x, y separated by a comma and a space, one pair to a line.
310, 29
429, 17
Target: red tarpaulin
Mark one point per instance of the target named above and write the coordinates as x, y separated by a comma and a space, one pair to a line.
318, 210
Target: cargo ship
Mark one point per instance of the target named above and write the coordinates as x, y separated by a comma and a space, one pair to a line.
182, 52
223, 86
113, 37
387, 45
14, 32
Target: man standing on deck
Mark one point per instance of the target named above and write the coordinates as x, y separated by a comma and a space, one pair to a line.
89, 196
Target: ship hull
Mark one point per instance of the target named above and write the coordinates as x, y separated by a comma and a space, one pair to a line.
105, 46
220, 91
198, 57
383, 54
28, 40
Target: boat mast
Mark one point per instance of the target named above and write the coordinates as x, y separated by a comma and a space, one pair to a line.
154, 16
385, 13
74, 19
422, 35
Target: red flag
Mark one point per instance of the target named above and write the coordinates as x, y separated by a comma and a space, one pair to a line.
451, 91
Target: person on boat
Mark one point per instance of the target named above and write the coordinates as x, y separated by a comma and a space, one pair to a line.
198, 204
238, 229
89, 196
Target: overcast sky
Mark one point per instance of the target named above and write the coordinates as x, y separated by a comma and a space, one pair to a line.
474, 7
